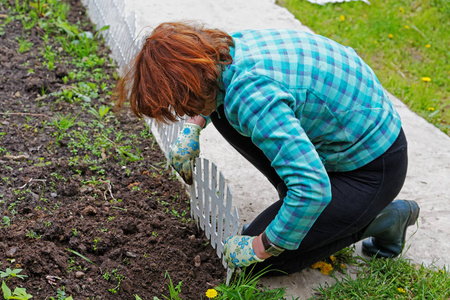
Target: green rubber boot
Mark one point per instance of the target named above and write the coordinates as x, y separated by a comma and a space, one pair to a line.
387, 232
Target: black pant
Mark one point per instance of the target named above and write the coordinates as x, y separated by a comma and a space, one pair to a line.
357, 198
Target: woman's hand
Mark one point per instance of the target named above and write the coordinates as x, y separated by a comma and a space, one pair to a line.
185, 149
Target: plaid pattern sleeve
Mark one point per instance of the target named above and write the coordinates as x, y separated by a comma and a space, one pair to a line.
312, 106
264, 115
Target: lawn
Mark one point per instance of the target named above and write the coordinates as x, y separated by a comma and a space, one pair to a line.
406, 42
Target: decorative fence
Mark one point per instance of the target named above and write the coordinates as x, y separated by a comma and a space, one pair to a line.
210, 197
120, 36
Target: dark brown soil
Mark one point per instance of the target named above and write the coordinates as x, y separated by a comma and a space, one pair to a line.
62, 203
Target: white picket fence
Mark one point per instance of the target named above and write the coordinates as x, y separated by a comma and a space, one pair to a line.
210, 197
211, 204
120, 36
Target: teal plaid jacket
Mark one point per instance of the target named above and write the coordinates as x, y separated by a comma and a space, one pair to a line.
312, 106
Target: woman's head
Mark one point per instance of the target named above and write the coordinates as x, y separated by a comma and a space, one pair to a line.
176, 72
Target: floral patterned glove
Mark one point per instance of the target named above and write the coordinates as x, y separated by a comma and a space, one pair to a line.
238, 251
184, 150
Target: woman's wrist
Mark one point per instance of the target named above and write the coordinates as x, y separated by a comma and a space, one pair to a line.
258, 248
198, 120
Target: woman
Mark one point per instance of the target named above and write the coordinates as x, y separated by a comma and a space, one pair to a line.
307, 112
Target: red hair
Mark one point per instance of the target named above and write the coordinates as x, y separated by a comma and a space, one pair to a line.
176, 72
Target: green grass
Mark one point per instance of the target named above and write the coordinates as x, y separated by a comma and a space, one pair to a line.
404, 41
396, 278
390, 279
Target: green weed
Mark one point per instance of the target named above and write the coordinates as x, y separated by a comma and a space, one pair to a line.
117, 277
63, 123
24, 44
174, 291
6, 221
12, 273
33, 235
102, 114
61, 295
19, 293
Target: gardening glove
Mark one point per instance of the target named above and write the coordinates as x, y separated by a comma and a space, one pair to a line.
184, 150
238, 251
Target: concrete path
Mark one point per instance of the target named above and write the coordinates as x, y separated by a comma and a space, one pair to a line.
428, 179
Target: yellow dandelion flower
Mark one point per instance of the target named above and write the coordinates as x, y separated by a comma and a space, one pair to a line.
426, 79
431, 108
441, 271
401, 10
427, 45
343, 266
364, 15
211, 293
326, 269
401, 290
317, 265
342, 18
406, 27
390, 35
332, 258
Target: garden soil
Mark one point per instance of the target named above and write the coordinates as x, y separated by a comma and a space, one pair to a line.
68, 228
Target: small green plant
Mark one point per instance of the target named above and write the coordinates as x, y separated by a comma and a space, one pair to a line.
106, 275
50, 56
101, 114
61, 295
6, 221
63, 123
173, 290
66, 95
19, 293
33, 235
118, 277
24, 44
126, 154
12, 273
174, 213
94, 245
